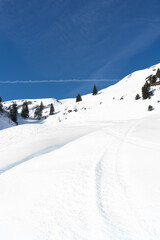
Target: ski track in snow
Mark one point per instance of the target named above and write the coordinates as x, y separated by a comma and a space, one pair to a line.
146, 231
110, 162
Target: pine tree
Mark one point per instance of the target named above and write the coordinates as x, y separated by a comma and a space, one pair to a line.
137, 97
38, 113
94, 92
150, 108
41, 106
78, 98
13, 112
146, 93
25, 110
1, 105
158, 73
51, 109
153, 79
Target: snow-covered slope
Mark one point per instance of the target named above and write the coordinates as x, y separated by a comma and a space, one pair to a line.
32, 104
5, 122
113, 103
90, 171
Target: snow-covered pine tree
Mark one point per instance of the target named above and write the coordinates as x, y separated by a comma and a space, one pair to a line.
38, 113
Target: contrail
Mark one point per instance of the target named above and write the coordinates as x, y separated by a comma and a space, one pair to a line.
56, 81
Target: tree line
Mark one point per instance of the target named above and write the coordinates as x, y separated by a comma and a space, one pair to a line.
13, 108
150, 81
13, 111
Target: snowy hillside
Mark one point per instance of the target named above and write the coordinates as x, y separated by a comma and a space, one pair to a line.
113, 103
32, 104
5, 122
89, 172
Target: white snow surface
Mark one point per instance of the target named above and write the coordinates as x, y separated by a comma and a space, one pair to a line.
89, 172
5, 122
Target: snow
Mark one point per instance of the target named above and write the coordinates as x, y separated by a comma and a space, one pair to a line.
89, 173
5, 122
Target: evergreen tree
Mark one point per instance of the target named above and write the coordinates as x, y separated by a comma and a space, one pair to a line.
158, 73
146, 93
94, 92
78, 98
41, 106
25, 110
150, 108
1, 105
13, 112
38, 113
153, 79
51, 109
137, 97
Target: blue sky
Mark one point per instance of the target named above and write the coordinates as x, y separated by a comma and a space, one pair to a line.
74, 40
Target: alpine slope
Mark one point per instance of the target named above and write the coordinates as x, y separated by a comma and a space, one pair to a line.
89, 172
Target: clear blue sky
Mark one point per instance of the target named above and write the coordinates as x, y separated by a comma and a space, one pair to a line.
74, 39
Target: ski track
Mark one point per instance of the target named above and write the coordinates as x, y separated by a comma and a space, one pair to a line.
110, 161
145, 228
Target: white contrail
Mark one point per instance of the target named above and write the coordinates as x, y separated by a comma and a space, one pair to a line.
56, 81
